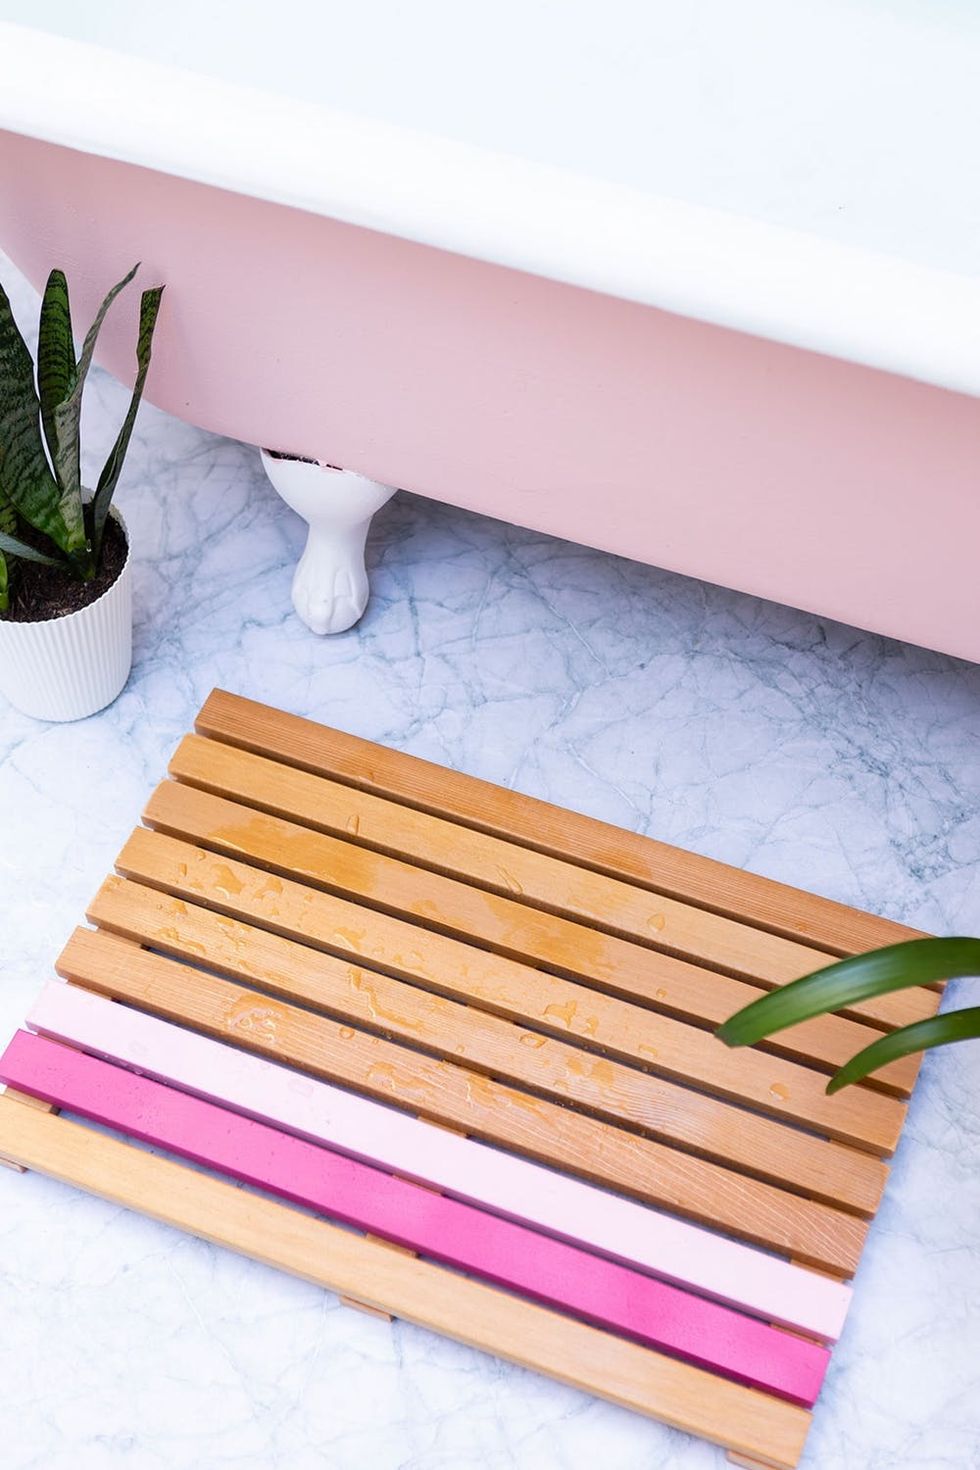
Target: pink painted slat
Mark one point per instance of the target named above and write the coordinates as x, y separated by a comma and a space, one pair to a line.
673, 1250
508, 1254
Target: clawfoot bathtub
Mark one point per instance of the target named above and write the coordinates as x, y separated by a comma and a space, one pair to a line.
702, 312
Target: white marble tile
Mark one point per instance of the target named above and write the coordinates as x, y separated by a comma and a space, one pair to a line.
803, 749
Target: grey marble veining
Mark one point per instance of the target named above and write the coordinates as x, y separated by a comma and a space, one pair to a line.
821, 755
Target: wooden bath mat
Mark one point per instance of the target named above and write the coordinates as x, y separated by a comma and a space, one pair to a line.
477, 1028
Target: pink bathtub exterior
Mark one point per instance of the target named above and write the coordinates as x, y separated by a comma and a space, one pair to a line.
840, 489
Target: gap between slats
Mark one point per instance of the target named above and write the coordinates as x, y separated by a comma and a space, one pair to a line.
562, 1008
671, 1112
586, 941
813, 1233
686, 1397
533, 1265
403, 949
553, 885
444, 1159
540, 826
447, 905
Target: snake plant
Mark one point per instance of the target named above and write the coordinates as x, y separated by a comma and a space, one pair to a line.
40, 415
916, 962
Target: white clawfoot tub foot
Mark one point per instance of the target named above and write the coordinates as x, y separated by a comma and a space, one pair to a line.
330, 586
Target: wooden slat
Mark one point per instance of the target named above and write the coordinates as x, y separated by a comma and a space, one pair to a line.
683, 1254
535, 824
443, 963
459, 1033
324, 942
31, 1102
559, 1275
559, 1007
552, 884
810, 1232
686, 1397
673, 929
445, 904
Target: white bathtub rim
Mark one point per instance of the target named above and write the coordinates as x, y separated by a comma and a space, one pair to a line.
800, 289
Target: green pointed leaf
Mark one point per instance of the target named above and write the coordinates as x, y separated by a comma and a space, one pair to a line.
25, 476
67, 418
149, 307
961, 1025
55, 356
13, 546
8, 525
916, 962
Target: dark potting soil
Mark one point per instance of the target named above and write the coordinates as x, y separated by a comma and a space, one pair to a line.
38, 592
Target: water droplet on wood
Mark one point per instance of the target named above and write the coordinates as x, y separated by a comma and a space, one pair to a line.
564, 1013
511, 883
225, 881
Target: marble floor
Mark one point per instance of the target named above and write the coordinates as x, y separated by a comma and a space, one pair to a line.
810, 751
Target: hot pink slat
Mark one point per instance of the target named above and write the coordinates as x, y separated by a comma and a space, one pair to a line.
583, 1214
560, 1275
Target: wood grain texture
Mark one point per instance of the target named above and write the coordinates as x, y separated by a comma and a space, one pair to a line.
528, 821
463, 1034
437, 1157
330, 964
694, 1188
552, 884
31, 1102
686, 1397
436, 901
685, 990
508, 1254
445, 964
658, 1043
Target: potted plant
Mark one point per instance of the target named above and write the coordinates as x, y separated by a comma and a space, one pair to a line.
65, 598
915, 962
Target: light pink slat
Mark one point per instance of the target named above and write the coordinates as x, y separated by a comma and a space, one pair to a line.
462, 1236
673, 1250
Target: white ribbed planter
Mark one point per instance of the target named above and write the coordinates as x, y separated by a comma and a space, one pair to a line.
67, 668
